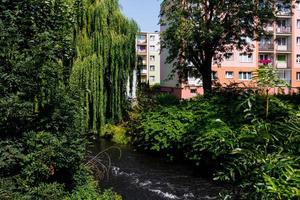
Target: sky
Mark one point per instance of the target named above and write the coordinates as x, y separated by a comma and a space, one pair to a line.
144, 12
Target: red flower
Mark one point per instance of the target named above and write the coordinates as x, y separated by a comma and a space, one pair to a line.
265, 62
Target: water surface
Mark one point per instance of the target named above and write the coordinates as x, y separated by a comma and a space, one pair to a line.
139, 176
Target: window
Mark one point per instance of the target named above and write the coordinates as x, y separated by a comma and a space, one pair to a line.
298, 41
281, 23
285, 75
298, 58
265, 57
152, 48
246, 58
152, 37
281, 41
245, 75
214, 76
141, 37
193, 91
141, 49
247, 39
265, 41
298, 76
229, 56
152, 58
152, 78
281, 58
144, 67
228, 74
298, 23
152, 68
298, 5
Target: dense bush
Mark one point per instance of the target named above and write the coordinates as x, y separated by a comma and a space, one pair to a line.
229, 133
42, 143
116, 133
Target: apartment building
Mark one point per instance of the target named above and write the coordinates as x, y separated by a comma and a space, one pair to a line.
282, 51
148, 52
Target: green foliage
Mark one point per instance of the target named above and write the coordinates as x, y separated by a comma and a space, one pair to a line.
104, 62
286, 186
167, 99
117, 133
164, 129
199, 31
87, 188
228, 134
267, 78
64, 66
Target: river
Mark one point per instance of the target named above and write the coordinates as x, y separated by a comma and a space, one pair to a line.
139, 176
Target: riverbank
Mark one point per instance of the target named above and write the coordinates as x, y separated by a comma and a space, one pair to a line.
231, 136
138, 175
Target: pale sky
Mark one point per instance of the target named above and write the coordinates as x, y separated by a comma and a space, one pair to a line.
144, 12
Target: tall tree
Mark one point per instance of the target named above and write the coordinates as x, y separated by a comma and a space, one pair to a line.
104, 61
200, 31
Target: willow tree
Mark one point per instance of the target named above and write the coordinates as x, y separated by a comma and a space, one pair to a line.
104, 61
199, 30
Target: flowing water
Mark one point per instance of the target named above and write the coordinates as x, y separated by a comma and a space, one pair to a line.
139, 176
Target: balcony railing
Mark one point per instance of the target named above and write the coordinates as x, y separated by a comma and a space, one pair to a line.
142, 51
144, 71
269, 28
284, 29
282, 64
141, 41
192, 81
284, 12
266, 47
266, 62
283, 48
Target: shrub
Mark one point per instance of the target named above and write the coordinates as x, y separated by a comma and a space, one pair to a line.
117, 133
167, 99
164, 129
230, 132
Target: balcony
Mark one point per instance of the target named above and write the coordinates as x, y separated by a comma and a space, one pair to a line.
144, 71
281, 64
284, 48
266, 47
284, 30
269, 28
265, 62
192, 81
283, 61
284, 12
142, 51
142, 42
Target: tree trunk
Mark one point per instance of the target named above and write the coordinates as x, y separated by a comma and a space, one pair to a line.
207, 77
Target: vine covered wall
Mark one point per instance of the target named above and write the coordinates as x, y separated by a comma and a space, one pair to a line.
104, 61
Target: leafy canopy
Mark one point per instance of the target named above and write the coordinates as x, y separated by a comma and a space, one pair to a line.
196, 31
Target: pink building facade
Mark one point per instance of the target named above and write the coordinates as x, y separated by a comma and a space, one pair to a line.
283, 51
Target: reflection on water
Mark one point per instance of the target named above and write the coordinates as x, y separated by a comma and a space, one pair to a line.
138, 176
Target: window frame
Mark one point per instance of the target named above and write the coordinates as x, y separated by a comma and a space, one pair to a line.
297, 76
232, 74
249, 57
152, 78
152, 58
246, 76
150, 68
